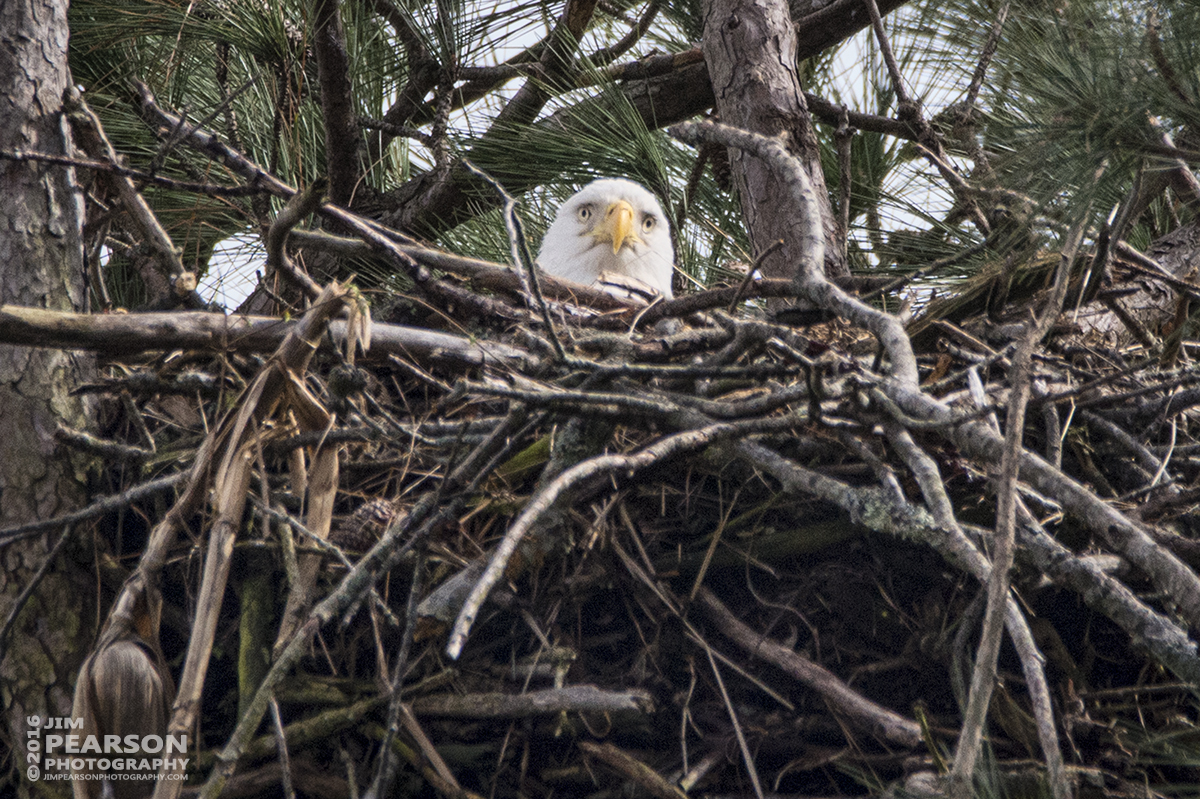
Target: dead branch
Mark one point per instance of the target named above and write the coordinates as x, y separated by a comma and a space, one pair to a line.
633, 769
575, 698
129, 334
852, 706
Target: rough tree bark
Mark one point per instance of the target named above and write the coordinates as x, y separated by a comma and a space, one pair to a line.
337, 102
41, 265
750, 49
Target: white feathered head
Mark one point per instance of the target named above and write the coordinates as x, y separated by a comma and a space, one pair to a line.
611, 225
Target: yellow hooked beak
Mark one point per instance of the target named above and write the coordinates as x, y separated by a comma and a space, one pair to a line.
617, 226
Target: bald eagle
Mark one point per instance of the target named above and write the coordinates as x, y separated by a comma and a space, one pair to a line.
610, 227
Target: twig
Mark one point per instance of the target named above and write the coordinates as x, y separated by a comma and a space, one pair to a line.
633, 770
747, 758
1157, 272
1167, 456
672, 603
285, 763
913, 423
1145, 458
208, 189
909, 112
887, 514
888, 58
925, 470
606, 55
1052, 425
399, 131
385, 771
985, 57
18, 603
940, 263
138, 421
1169, 75
522, 259
96, 509
289, 523
382, 557
1167, 642
112, 450
87, 126
752, 272
227, 452
977, 440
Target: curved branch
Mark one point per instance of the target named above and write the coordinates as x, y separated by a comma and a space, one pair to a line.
810, 279
880, 720
540, 503
301, 205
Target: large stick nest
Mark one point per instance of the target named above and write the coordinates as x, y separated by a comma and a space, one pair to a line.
662, 553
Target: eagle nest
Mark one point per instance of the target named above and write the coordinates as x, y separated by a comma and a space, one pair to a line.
548, 541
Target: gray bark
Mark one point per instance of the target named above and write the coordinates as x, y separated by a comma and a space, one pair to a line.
41, 265
750, 48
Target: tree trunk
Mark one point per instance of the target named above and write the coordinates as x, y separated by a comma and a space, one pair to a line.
750, 49
41, 265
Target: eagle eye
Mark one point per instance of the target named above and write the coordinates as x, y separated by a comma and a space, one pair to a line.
584, 213
648, 224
